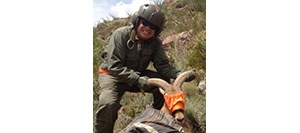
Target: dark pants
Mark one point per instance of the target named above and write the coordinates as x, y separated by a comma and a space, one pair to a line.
111, 92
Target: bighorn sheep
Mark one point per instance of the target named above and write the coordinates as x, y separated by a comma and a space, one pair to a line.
167, 90
174, 105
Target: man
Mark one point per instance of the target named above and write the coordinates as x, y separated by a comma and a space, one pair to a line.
126, 57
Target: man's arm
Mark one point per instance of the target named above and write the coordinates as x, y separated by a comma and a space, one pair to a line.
116, 52
161, 63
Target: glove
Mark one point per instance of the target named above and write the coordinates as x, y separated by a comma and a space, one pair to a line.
142, 83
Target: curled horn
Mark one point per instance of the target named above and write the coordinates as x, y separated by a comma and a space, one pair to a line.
159, 83
181, 77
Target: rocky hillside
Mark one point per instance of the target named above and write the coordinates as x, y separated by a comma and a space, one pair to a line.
184, 40
184, 35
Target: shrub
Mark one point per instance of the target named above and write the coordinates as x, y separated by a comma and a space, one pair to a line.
197, 58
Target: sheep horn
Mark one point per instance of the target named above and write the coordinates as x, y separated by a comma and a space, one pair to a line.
182, 76
159, 83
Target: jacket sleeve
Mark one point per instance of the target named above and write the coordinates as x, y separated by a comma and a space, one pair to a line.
116, 59
161, 62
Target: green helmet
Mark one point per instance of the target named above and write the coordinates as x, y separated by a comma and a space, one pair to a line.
152, 14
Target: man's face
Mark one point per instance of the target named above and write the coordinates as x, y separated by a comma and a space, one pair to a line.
145, 30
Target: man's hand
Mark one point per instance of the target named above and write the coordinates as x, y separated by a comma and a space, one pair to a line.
142, 83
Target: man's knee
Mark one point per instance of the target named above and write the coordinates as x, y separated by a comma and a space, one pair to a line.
108, 97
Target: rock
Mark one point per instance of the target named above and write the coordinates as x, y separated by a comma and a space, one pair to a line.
202, 87
202, 82
181, 37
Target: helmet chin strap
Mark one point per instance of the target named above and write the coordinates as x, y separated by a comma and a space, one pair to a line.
136, 23
130, 42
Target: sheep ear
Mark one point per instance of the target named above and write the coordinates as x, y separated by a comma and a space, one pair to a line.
159, 83
181, 77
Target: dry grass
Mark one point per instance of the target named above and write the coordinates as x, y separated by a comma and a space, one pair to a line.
195, 109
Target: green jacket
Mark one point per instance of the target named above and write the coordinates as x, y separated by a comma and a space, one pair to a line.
127, 60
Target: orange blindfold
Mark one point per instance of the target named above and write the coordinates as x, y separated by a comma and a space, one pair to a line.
175, 101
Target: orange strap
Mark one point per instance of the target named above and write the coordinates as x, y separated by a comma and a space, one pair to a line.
175, 101
102, 71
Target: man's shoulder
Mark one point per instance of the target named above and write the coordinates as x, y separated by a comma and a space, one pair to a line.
123, 30
121, 33
157, 41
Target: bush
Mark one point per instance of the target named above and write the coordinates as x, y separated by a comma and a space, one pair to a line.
197, 58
